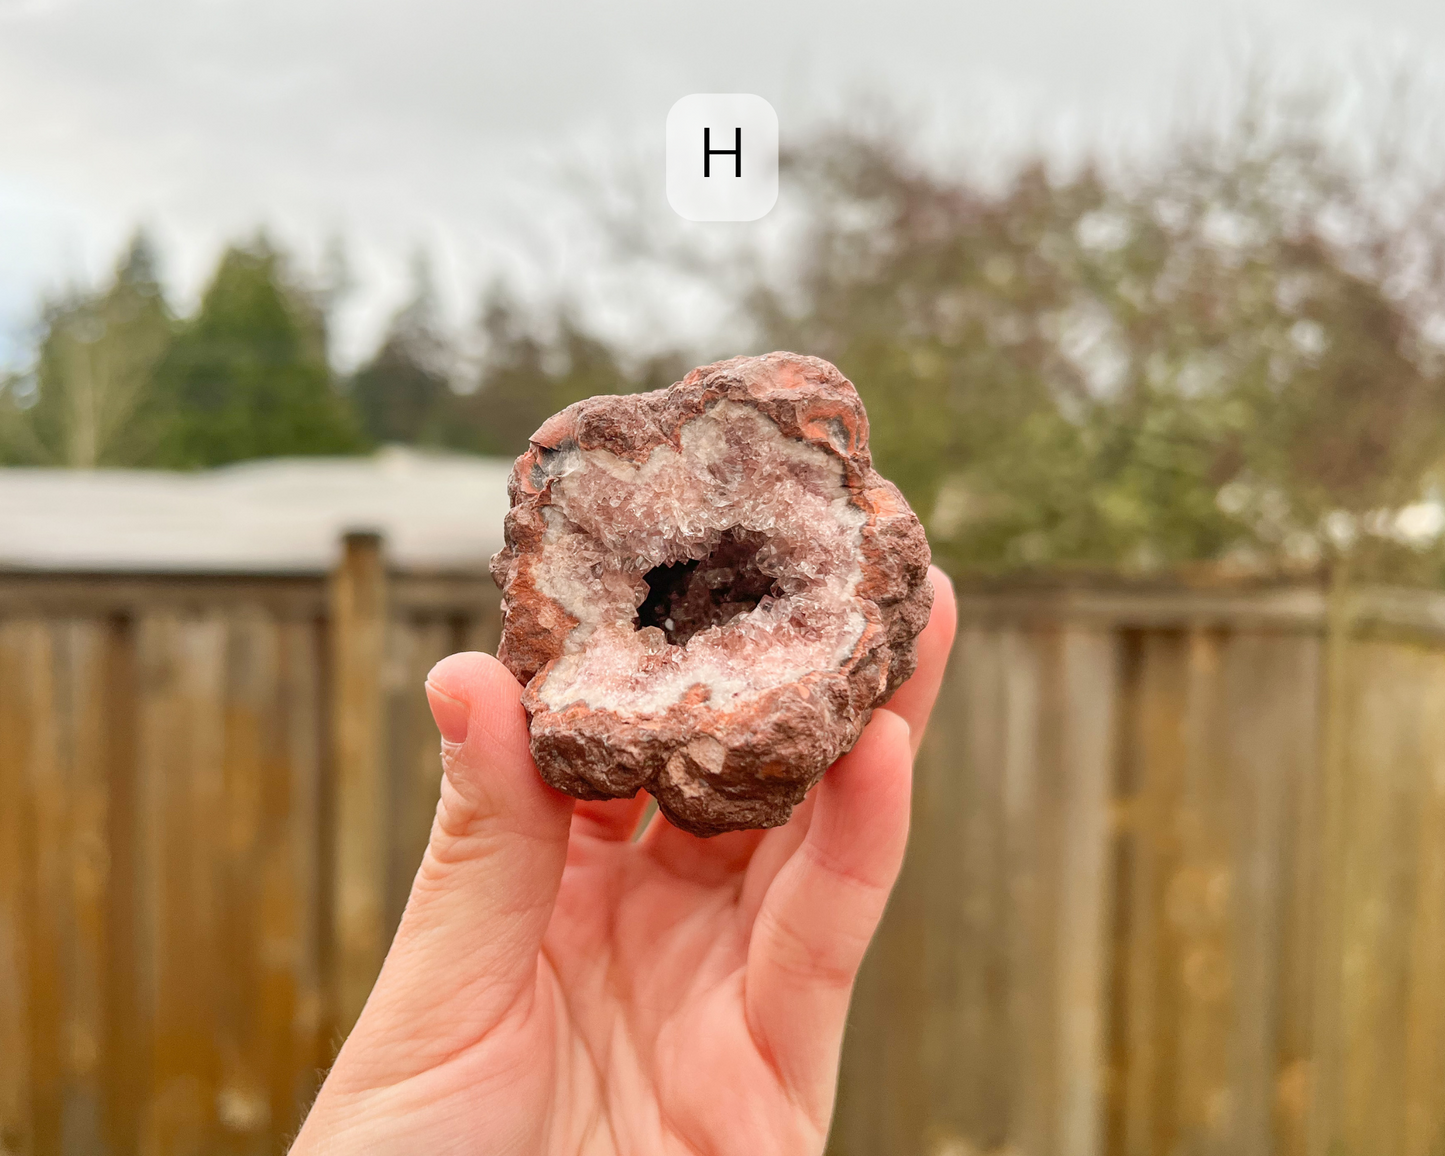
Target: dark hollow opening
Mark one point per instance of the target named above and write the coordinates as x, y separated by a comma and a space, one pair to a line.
686, 597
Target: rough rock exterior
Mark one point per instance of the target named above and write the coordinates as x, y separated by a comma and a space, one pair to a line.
707, 590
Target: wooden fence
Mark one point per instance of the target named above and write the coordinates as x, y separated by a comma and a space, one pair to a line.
1176, 883
214, 792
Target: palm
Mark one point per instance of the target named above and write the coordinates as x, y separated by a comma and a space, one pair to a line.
556, 987
646, 965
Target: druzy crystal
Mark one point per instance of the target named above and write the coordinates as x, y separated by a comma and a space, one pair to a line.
707, 590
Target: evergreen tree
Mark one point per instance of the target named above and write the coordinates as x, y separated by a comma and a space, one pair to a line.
513, 391
89, 400
248, 376
526, 376
404, 393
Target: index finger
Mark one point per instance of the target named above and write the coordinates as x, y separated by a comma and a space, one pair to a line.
913, 701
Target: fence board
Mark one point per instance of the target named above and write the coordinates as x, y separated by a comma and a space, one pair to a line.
1087, 710
986, 1063
1263, 719
296, 911
1197, 897
1150, 951
1378, 897
48, 908
1035, 762
180, 794
1300, 731
81, 878
17, 720
358, 640
126, 1055
249, 765
1005, 762
1425, 1014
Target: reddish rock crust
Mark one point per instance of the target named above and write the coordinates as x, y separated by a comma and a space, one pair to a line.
713, 763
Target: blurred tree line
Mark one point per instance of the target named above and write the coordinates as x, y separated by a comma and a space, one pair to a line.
120, 380
1233, 358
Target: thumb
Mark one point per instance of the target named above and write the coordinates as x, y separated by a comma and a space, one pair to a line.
468, 941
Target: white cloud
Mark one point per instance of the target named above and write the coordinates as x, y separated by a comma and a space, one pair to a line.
441, 122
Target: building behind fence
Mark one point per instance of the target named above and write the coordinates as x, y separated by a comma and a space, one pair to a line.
1176, 882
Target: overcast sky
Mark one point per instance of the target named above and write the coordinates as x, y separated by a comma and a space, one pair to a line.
442, 123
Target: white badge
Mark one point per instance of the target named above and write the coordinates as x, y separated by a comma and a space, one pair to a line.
722, 157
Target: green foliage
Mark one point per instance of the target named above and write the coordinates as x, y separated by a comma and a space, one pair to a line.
84, 404
248, 376
1231, 358
526, 377
404, 393
1185, 368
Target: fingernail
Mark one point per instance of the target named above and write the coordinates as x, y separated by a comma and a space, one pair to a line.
451, 714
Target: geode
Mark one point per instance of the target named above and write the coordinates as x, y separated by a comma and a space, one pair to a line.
707, 590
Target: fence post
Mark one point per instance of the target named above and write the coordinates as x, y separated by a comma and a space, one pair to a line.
359, 613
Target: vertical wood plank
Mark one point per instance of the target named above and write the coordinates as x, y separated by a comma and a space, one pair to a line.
1090, 661
958, 813
1380, 832
1034, 797
1124, 792
17, 1125
1302, 734
48, 915
1012, 1058
83, 745
359, 613
294, 904
1270, 718
1425, 1011
1197, 901
977, 887
1341, 678
1151, 952
126, 1054
253, 775
180, 827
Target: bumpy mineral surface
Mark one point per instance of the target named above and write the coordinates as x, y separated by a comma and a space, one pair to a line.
707, 590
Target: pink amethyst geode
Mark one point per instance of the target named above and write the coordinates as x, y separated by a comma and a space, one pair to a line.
707, 590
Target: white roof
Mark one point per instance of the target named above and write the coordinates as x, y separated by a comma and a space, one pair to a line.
435, 511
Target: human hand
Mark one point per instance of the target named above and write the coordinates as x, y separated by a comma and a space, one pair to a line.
556, 987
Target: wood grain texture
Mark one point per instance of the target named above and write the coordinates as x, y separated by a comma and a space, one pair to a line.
1425, 1009
1163, 904
1089, 682
18, 719
1176, 882
82, 894
297, 906
359, 628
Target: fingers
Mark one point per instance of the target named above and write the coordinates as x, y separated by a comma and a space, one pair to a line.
913, 701
612, 820
469, 938
773, 852
821, 911
704, 861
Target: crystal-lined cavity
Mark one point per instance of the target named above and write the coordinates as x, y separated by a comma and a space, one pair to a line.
707, 589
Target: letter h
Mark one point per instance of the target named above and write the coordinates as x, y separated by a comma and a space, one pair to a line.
708, 152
